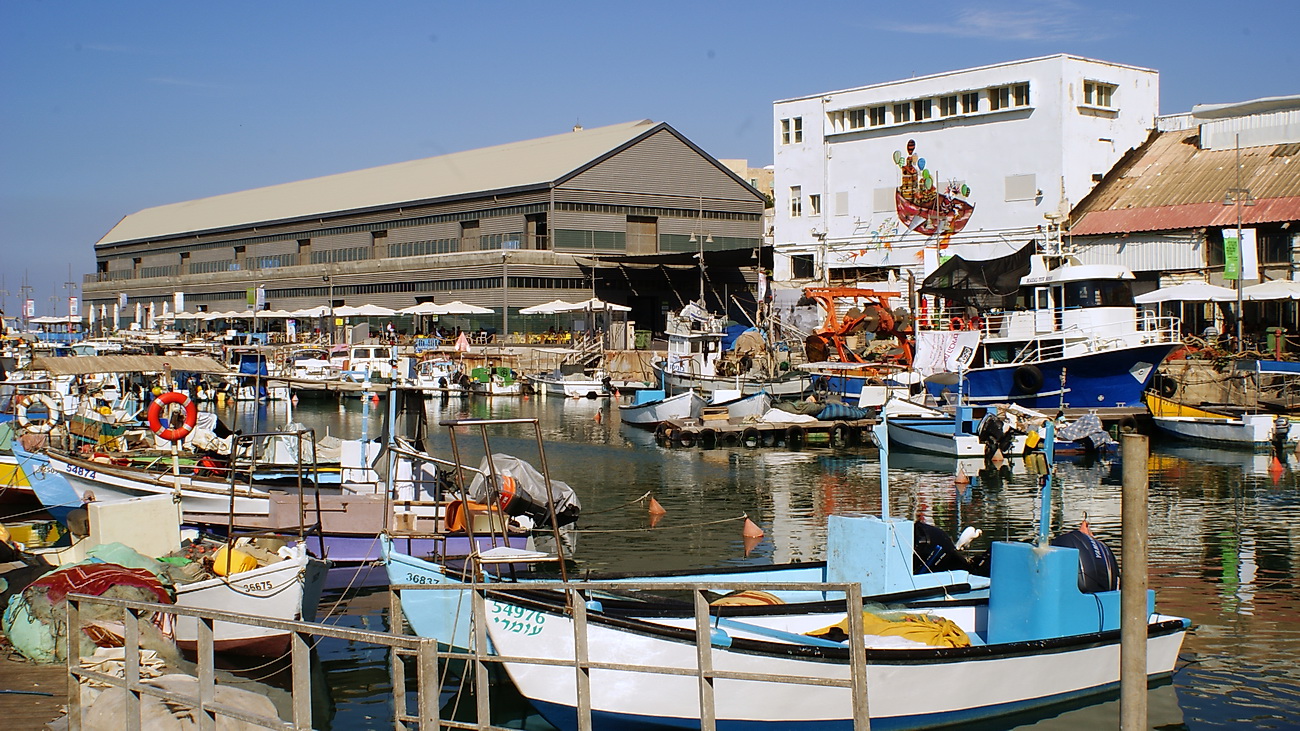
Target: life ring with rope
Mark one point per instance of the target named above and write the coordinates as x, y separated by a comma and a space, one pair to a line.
172, 433
53, 412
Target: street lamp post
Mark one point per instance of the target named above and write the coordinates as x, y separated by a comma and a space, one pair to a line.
1239, 197
701, 237
330, 329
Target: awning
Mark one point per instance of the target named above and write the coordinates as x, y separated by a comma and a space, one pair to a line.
1188, 292
76, 365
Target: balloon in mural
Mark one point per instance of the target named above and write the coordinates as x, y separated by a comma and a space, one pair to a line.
898, 158
920, 163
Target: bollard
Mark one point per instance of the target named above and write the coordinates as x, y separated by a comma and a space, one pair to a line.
1133, 587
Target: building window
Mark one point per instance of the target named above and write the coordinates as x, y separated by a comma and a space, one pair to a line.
877, 116
801, 267
922, 109
970, 102
947, 106
902, 113
1097, 94
999, 98
1021, 94
815, 204
857, 118
796, 201
792, 130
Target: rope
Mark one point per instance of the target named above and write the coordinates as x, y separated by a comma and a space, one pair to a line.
742, 517
641, 499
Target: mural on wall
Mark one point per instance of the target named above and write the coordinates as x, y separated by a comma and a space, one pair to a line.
921, 206
881, 237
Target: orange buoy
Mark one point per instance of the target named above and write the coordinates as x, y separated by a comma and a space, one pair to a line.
997, 457
598, 417
961, 478
656, 508
750, 530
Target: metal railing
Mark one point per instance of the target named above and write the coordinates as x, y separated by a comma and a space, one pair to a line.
204, 703
481, 658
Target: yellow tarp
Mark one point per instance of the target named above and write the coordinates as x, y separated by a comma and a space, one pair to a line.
933, 631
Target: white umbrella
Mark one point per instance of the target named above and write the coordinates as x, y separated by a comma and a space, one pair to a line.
317, 311
553, 307
364, 311
275, 314
1276, 289
599, 304
457, 307
1188, 292
424, 308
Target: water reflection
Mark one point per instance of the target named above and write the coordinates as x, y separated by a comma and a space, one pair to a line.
1222, 544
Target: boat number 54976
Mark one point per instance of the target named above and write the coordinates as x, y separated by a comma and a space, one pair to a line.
517, 619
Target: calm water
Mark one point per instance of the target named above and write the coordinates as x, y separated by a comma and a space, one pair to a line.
1223, 546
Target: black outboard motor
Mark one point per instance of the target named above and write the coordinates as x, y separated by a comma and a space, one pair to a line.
933, 550
1281, 430
1098, 570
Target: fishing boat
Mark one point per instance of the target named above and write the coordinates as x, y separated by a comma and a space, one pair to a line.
1258, 432
441, 376
699, 358
963, 433
652, 407
580, 384
1041, 330
495, 381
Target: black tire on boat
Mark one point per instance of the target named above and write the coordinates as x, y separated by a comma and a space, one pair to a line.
840, 434
686, 437
708, 438
862, 436
1028, 379
751, 437
795, 437
661, 435
729, 438
670, 436
1166, 386
1128, 425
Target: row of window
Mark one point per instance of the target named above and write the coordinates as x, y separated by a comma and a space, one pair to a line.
659, 212
423, 248
356, 253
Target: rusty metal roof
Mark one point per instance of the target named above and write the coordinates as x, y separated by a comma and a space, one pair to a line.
77, 365
1170, 183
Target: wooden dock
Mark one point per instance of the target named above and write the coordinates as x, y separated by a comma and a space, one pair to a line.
707, 433
31, 696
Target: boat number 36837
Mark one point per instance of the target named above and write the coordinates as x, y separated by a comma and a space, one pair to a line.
517, 619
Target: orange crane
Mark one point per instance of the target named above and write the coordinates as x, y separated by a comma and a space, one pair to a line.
873, 316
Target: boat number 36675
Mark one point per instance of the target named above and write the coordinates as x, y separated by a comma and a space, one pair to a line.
517, 619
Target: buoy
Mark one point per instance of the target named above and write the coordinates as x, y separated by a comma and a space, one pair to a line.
961, 478
656, 508
997, 457
617, 394
1084, 528
598, 417
750, 530
294, 399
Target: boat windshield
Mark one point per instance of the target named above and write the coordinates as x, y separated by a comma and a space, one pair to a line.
1098, 293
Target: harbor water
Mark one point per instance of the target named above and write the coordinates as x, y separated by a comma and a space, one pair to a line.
1223, 543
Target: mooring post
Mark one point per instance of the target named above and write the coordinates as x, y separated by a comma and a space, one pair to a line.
1133, 586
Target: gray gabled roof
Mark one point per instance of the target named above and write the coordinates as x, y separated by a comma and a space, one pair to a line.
516, 165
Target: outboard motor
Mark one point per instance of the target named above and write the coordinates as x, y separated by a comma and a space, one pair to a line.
934, 550
1098, 570
1281, 430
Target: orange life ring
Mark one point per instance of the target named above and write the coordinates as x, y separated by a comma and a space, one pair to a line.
957, 324
173, 433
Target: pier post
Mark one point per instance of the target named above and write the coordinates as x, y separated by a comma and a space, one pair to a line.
1133, 587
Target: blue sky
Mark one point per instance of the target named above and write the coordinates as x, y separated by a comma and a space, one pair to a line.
107, 108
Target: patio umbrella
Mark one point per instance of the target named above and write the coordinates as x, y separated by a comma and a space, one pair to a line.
554, 307
424, 308
460, 308
1188, 292
275, 314
317, 311
364, 311
597, 305
1276, 289
462, 343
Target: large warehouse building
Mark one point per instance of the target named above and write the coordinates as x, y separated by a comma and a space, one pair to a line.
623, 212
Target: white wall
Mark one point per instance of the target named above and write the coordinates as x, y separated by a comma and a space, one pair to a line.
1056, 139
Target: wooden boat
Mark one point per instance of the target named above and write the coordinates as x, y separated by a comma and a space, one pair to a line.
1038, 641
959, 435
650, 408
1258, 432
595, 384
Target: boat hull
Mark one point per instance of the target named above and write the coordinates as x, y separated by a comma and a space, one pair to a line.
1116, 378
902, 685
651, 414
788, 386
933, 436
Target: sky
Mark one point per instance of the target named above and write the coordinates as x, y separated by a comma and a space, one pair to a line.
107, 108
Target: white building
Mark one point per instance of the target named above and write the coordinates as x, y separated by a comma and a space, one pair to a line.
995, 149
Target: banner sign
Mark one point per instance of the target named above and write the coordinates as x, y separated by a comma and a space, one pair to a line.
73, 309
1240, 258
178, 302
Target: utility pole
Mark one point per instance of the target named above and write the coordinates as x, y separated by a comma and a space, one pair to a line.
25, 292
71, 287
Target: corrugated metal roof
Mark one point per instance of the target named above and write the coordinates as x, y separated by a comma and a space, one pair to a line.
1170, 184
502, 167
77, 365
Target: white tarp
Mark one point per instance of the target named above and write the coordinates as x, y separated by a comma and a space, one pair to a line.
944, 351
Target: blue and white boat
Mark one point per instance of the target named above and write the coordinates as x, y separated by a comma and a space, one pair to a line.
1043, 331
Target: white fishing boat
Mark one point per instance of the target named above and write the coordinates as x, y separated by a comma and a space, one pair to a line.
961, 434
583, 384
696, 358
1054, 641
650, 408
441, 376
1258, 432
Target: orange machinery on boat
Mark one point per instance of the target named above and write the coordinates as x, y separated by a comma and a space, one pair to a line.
872, 316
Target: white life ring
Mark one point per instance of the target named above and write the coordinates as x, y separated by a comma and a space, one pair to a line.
53, 412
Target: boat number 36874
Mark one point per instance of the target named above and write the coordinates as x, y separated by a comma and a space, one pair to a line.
517, 619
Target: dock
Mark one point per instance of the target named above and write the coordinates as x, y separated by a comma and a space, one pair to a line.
31, 695
707, 433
